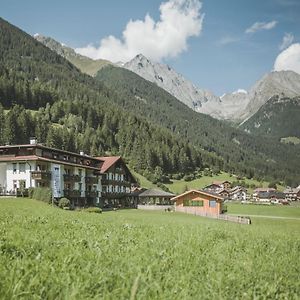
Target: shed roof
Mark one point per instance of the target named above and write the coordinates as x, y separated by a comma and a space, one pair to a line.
201, 192
156, 193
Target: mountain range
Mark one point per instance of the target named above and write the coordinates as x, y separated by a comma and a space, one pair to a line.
236, 107
121, 113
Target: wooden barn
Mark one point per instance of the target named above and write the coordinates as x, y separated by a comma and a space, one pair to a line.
199, 202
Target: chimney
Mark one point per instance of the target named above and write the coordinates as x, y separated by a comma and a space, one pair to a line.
33, 141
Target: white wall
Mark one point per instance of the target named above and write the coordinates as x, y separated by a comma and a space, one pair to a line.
11, 176
3, 176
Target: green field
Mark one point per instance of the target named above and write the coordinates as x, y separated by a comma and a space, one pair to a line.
264, 210
49, 253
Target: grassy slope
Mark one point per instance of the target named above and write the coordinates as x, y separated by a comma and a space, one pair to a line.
144, 182
178, 186
49, 253
87, 65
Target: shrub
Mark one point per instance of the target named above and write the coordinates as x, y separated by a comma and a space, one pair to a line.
64, 202
96, 210
43, 194
30, 192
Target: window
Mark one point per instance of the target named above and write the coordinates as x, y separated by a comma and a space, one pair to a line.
14, 168
21, 167
212, 203
192, 202
15, 184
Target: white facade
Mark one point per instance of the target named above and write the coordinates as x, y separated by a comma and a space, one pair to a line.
17, 175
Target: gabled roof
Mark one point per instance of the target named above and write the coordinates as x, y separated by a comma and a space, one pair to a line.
292, 191
201, 192
155, 193
212, 185
108, 161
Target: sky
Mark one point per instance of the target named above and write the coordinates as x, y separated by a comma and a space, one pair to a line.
219, 45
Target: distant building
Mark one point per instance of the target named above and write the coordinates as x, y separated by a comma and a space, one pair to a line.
270, 197
238, 193
292, 194
258, 192
199, 202
224, 184
155, 197
219, 187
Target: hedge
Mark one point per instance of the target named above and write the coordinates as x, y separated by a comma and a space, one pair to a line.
41, 193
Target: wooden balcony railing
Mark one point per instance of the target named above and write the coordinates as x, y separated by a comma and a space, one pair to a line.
73, 178
91, 180
41, 175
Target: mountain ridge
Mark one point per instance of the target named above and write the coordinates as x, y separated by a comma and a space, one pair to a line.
85, 64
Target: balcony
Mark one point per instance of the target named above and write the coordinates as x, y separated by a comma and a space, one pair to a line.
72, 193
91, 194
41, 175
115, 182
113, 195
72, 178
91, 180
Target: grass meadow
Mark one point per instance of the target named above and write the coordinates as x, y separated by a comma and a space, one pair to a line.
179, 186
49, 253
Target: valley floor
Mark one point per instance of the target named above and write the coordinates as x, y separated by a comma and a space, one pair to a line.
49, 253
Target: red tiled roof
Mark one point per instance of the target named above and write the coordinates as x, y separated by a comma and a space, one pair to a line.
108, 161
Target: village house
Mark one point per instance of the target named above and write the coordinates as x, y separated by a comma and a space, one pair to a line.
257, 193
270, 197
238, 193
199, 202
219, 187
292, 194
224, 184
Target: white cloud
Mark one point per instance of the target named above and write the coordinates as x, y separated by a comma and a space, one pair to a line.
287, 40
289, 59
179, 20
257, 26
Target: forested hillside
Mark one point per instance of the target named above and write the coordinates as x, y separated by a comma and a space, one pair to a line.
279, 117
121, 113
239, 152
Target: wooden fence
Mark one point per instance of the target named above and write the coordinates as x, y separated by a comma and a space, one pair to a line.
236, 219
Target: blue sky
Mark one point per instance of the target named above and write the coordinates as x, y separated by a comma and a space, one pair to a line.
220, 55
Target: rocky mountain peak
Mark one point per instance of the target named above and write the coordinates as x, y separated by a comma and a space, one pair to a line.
165, 77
